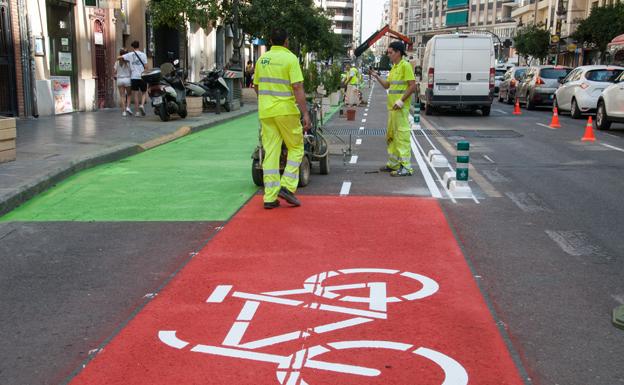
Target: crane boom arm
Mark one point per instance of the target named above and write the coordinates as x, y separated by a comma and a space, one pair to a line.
378, 35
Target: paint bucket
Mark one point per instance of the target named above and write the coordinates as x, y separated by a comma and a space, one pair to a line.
350, 114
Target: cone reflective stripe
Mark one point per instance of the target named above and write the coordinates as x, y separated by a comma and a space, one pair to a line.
589, 131
554, 123
417, 113
463, 160
517, 108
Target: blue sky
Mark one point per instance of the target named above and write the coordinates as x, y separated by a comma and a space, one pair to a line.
371, 19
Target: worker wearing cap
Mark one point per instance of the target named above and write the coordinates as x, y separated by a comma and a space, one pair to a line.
278, 83
401, 84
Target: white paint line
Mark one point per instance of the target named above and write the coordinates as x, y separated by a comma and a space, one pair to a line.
368, 270
219, 294
363, 120
236, 333
348, 310
358, 141
489, 159
361, 128
346, 187
236, 353
287, 292
613, 147
169, 338
502, 112
346, 287
545, 125
354, 159
248, 311
341, 325
266, 298
340, 368
371, 345
575, 243
378, 296
271, 340
366, 110
365, 114
433, 188
454, 372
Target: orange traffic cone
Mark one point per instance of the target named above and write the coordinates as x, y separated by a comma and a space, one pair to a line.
589, 131
516, 110
555, 119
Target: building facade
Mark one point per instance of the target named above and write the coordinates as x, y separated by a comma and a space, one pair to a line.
357, 23
343, 19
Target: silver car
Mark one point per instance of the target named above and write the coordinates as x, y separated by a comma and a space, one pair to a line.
539, 84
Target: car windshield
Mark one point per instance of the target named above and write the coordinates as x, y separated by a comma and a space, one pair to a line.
519, 73
605, 75
554, 73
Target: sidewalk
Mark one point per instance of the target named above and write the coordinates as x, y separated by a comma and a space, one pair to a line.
51, 149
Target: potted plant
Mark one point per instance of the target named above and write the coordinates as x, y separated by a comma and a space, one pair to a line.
336, 82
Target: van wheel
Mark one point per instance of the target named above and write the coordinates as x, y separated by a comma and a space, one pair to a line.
485, 111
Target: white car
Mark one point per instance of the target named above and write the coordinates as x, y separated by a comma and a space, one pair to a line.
580, 90
611, 104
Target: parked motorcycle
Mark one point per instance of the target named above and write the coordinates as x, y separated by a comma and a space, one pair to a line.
165, 87
211, 88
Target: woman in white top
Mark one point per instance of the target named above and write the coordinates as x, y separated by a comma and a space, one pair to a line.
122, 72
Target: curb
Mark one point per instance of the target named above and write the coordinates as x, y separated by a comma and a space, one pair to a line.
112, 154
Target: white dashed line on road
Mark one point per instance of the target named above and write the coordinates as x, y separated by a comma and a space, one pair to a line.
363, 120
545, 125
489, 159
358, 141
361, 128
354, 159
613, 147
346, 187
502, 112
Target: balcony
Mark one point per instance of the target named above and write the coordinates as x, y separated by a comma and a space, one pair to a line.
339, 4
342, 18
340, 31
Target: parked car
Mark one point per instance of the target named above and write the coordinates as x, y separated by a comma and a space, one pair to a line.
458, 72
580, 90
539, 84
508, 86
611, 104
499, 74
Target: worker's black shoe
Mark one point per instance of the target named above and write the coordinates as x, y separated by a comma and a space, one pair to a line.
386, 169
271, 205
288, 197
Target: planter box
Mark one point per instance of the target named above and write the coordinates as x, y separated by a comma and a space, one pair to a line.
335, 98
7, 139
194, 106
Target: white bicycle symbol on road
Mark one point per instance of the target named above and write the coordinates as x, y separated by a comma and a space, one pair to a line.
289, 368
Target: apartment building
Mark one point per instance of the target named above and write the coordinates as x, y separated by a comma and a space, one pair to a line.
357, 23
343, 19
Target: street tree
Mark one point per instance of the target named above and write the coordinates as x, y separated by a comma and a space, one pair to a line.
602, 25
532, 41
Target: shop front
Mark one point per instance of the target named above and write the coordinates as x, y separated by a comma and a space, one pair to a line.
8, 103
62, 57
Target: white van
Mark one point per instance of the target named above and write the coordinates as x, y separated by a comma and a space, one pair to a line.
458, 71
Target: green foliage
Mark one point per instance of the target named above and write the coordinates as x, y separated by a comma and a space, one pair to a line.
384, 63
311, 78
309, 27
602, 25
532, 40
175, 13
368, 58
331, 79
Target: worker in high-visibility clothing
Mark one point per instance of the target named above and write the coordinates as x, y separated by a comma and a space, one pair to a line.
278, 82
401, 84
352, 96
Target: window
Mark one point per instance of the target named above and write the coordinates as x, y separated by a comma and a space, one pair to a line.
554, 73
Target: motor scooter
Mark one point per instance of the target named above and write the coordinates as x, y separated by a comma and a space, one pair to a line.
211, 88
165, 87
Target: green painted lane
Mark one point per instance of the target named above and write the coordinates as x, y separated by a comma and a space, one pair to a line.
201, 177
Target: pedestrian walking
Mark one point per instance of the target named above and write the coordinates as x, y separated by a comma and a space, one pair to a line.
249, 71
278, 82
122, 74
138, 64
401, 84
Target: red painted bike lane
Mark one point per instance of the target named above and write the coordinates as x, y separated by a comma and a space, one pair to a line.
353, 290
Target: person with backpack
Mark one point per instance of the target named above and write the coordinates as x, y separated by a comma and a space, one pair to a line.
138, 64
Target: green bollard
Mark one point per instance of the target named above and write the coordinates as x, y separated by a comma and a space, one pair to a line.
463, 160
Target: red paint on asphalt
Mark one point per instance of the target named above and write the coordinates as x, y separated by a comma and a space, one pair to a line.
264, 251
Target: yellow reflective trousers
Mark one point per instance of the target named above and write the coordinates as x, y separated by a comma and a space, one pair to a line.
398, 139
275, 130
